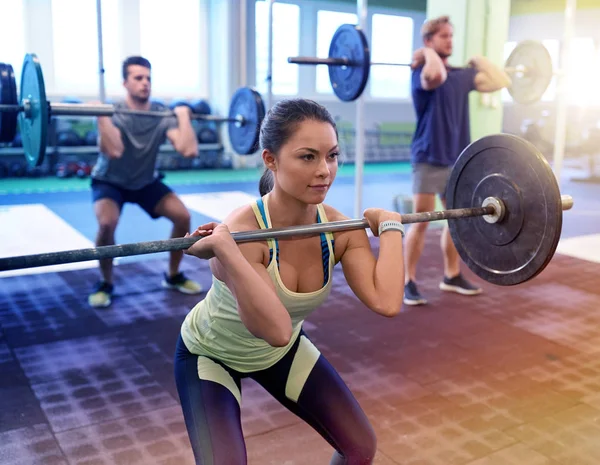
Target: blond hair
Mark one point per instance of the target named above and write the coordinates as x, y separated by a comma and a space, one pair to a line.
432, 26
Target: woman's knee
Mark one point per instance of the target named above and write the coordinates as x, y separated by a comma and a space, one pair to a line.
364, 451
360, 450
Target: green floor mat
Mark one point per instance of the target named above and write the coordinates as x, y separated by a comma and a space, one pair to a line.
49, 184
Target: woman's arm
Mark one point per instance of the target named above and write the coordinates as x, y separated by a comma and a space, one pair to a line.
242, 268
377, 282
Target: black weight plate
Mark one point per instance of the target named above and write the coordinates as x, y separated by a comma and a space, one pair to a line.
34, 121
520, 246
8, 96
528, 87
248, 104
348, 82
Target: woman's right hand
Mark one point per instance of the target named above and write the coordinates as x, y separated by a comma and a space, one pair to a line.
375, 216
215, 237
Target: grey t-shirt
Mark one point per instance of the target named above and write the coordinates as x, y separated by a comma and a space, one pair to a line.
142, 136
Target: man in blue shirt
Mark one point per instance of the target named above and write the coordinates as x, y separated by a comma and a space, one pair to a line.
440, 97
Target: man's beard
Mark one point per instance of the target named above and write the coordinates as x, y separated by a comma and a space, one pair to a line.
141, 100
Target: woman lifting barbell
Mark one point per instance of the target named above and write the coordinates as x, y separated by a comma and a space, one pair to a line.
250, 323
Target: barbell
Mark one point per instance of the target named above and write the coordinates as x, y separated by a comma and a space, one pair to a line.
504, 215
349, 62
33, 112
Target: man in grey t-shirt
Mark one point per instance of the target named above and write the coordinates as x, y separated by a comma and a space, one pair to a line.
126, 172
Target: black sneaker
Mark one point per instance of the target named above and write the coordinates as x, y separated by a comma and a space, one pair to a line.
459, 285
412, 296
101, 296
181, 283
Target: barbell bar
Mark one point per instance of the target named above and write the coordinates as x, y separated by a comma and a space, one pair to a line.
33, 112
124, 250
349, 65
488, 209
504, 215
105, 109
304, 60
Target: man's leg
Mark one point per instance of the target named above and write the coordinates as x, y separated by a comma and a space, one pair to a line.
157, 199
453, 280
172, 208
415, 237
107, 214
413, 247
107, 207
451, 257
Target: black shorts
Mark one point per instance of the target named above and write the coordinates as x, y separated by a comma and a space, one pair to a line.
147, 197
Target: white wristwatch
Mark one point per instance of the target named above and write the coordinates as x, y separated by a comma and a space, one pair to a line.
391, 225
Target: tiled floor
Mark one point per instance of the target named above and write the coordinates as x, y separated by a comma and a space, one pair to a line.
508, 377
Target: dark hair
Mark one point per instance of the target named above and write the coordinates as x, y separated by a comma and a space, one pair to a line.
134, 60
279, 125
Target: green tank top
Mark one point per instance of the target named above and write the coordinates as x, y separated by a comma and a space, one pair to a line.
213, 327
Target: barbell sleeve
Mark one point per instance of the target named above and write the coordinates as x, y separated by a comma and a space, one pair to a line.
378, 63
218, 119
4, 108
319, 61
83, 109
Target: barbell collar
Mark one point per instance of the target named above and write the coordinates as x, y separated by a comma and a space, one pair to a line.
567, 202
83, 109
516, 69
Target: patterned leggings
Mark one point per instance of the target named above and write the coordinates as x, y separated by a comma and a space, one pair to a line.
210, 395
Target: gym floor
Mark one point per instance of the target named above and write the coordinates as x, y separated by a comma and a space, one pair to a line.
508, 377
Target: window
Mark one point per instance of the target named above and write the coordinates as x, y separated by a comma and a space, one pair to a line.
327, 23
584, 68
286, 43
552, 46
111, 46
12, 36
75, 45
170, 39
392, 42
78, 18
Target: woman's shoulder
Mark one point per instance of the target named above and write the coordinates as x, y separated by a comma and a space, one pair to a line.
242, 219
333, 214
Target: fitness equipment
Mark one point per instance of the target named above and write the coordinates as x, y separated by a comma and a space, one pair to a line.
8, 95
505, 217
349, 62
33, 111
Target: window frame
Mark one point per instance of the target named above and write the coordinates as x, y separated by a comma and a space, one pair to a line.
412, 49
301, 8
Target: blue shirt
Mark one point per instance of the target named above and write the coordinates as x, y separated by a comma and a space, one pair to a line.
442, 131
